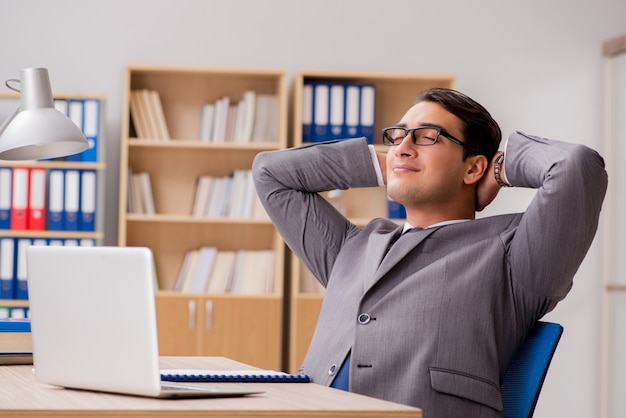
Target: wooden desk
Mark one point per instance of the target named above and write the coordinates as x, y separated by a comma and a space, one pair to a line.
25, 397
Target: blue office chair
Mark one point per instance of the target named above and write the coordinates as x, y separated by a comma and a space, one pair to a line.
524, 378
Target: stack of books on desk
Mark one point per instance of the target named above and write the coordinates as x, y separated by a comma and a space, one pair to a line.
16, 343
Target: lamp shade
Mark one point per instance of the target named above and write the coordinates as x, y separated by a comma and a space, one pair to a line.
38, 130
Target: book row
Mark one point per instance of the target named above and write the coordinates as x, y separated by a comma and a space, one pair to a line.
146, 112
13, 274
337, 110
253, 119
54, 199
209, 270
15, 335
232, 196
85, 113
140, 198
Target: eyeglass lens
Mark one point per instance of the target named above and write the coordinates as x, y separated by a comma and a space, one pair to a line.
421, 136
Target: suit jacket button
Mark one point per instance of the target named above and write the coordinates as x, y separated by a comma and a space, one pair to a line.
332, 369
364, 318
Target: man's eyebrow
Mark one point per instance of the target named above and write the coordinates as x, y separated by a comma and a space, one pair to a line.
423, 125
434, 125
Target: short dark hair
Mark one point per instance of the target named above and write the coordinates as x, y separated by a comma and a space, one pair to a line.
480, 131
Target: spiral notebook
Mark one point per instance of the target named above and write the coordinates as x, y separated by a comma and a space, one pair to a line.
265, 376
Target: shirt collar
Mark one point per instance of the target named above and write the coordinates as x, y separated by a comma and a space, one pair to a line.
408, 226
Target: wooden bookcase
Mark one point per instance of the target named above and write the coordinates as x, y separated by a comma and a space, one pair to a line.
247, 328
8, 103
614, 295
395, 93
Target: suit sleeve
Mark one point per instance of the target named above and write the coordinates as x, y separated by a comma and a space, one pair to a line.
560, 223
288, 182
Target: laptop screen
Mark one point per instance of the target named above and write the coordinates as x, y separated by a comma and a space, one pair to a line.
93, 318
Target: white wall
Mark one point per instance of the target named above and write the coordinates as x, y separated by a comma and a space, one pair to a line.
536, 64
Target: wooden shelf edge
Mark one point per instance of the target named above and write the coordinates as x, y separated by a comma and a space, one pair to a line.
195, 144
616, 287
29, 233
226, 296
12, 95
614, 46
54, 164
160, 218
382, 75
205, 70
14, 303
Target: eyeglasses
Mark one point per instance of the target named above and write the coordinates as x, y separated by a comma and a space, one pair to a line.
424, 135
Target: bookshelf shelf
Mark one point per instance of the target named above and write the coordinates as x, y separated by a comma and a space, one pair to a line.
56, 164
394, 94
196, 145
202, 324
14, 303
159, 218
52, 234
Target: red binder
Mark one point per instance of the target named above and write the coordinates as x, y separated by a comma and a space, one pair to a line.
19, 207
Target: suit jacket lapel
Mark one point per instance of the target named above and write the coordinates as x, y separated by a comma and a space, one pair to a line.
404, 245
377, 246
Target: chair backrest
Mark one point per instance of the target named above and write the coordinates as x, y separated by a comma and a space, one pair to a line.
525, 375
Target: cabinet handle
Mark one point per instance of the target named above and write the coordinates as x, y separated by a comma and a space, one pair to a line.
192, 314
208, 320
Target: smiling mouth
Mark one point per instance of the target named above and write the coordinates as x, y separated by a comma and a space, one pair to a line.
405, 168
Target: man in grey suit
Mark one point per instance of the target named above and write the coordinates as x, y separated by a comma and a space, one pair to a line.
434, 319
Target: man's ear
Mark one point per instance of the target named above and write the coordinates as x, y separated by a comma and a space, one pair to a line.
476, 168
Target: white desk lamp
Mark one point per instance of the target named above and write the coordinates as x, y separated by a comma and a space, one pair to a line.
36, 130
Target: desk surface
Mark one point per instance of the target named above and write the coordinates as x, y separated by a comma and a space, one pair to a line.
25, 397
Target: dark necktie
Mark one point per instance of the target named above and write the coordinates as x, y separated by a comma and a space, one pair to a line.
398, 236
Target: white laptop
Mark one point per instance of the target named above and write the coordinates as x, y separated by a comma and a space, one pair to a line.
93, 321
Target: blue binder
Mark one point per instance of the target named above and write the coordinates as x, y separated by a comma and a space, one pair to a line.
321, 104
56, 198
75, 111
352, 110
87, 217
21, 284
368, 112
6, 180
91, 127
395, 210
336, 112
307, 112
7, 269
72, 200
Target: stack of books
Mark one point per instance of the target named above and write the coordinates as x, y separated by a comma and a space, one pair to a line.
207, 270
253, 119
147, 115
140, 197
16, 343
232, 196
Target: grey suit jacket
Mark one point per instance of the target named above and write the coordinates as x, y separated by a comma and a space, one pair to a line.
436, 321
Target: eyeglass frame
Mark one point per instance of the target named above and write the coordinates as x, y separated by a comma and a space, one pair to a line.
411, 131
